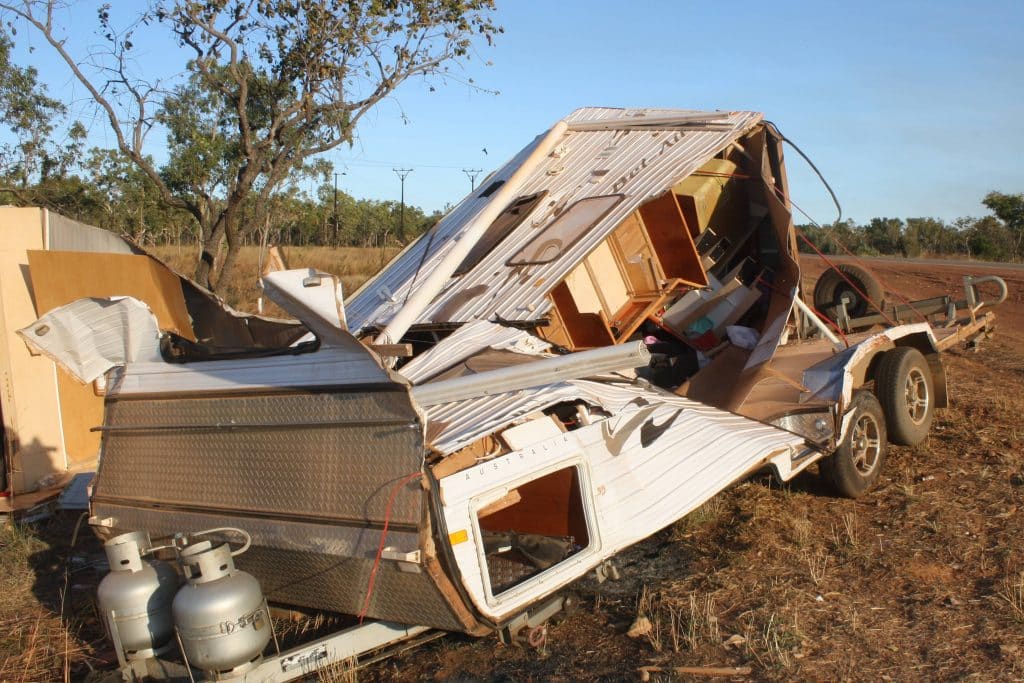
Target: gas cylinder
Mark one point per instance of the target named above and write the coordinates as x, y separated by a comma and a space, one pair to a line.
135, 597
220, 614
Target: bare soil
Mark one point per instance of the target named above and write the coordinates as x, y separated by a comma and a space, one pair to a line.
922, 579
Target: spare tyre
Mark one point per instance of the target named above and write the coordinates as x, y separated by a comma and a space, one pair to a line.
860, 288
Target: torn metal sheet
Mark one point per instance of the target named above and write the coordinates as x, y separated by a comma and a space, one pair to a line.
313, 297
464, 342
833, 379
90, 336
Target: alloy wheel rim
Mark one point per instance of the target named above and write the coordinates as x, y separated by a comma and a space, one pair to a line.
916, 395
866, 444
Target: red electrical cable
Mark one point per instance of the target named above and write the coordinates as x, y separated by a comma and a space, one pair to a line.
899, 296
831, 233
383, 540
857, 289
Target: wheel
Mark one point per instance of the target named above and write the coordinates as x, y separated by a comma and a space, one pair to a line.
832, 287
856, 463
904, 386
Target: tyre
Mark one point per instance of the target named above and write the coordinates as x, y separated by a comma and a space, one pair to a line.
905, 389
844, 281
855, 465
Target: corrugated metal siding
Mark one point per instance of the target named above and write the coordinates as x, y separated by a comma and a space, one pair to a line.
632, 490
326, 366
451, 426
464, 342
639, 164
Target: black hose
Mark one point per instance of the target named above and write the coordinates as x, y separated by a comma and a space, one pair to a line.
810, 163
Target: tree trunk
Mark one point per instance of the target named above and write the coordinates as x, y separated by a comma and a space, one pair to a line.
210, 238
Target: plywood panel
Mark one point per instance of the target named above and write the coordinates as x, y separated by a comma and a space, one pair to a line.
607, 279
581, 287
671, 239
33, 439
585, 330
549, 506
635, 254
60, 277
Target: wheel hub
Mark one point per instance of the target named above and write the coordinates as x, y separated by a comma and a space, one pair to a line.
917, 398
865, 444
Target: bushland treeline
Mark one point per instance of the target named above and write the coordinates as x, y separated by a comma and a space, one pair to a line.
998, 236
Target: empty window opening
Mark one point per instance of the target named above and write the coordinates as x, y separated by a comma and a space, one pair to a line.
533, 528
492, 188
509, 219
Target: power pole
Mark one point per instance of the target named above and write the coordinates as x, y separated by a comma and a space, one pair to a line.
472, 173
402, 173
334, 242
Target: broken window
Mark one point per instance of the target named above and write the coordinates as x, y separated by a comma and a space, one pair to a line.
509, 219
565, 231
532, 528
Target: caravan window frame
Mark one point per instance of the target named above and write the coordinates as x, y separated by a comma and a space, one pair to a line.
522, 591
534, 252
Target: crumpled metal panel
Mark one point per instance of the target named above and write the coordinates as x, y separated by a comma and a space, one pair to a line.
353, 364
465, 341
312, 454
316, 565
639, 164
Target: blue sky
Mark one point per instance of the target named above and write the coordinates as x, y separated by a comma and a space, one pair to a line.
908, 108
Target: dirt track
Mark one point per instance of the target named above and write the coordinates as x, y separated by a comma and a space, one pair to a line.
923, 579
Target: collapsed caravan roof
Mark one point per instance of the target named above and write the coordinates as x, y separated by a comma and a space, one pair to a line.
614, 222
558, 199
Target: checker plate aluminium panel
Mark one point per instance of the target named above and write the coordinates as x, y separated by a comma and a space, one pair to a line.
316, 565
308, 454
307, 474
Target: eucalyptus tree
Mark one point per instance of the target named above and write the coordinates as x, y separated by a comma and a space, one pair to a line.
266, 87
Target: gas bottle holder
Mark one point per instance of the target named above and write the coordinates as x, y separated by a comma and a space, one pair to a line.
203, 561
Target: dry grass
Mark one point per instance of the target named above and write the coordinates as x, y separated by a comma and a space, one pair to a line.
352, 265
36, 644
1012, 591
339, 672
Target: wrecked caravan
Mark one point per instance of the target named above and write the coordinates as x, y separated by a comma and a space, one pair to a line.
603, 336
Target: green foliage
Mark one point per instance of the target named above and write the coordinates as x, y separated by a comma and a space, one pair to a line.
992, 238
1009, 208
270, 87
29, 116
